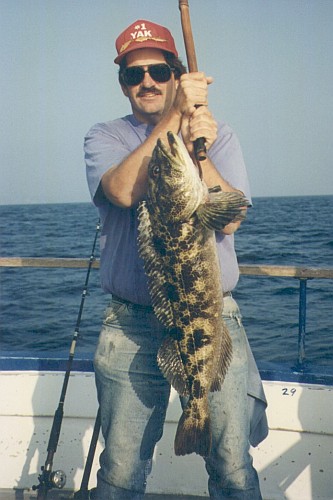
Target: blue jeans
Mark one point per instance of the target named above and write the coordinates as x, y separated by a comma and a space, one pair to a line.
134, 395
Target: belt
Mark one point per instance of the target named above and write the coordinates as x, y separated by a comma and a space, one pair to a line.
147, 308
132, 305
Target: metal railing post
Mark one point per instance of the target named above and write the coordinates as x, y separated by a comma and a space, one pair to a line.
302, 321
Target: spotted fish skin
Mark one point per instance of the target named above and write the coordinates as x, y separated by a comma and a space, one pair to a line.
177, 224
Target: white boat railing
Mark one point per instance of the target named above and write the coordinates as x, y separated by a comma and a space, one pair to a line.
245, 269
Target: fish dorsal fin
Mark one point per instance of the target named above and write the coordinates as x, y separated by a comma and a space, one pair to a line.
153, 267
224, 360
220, 208
171, 365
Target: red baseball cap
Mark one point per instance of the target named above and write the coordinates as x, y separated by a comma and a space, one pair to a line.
144, 34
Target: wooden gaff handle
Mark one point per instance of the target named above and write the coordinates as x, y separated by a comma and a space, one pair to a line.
199, 144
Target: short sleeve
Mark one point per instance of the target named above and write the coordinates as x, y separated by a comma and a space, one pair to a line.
103, 148
227, 156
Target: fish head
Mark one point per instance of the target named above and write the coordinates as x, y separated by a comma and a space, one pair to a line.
175, 188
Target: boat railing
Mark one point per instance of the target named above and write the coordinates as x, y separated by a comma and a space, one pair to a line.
303, 274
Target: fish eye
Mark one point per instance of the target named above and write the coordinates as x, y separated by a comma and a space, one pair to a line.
156, 170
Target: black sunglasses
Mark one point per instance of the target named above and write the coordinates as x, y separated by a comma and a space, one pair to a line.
134, 75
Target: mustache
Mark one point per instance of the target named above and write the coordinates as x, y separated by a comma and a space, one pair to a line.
148, 90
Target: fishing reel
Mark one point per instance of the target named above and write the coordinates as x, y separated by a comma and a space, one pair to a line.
58, 479
48, 480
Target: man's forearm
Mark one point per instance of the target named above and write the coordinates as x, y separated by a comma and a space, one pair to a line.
213, 178
125, 184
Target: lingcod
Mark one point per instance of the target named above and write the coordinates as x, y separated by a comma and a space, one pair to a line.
177, 224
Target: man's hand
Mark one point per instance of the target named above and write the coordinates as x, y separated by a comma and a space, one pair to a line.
200, 124
191, 103
192, 91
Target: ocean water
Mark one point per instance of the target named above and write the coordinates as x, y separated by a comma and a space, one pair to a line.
39, 307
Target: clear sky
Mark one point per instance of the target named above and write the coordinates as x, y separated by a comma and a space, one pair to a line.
271, 61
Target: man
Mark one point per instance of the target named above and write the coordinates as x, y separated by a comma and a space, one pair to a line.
132, 392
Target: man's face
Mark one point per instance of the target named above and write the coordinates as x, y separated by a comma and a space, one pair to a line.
149, 99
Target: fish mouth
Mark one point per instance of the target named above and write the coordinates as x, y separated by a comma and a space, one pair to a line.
176, 150
172, 143
173, 151
176, 146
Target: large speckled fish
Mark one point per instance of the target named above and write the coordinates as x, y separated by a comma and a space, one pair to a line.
177, 224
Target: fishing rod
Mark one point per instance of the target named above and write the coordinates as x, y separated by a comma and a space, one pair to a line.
199, 144
49, 479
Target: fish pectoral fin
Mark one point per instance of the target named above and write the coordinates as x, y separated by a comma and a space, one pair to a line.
221, 208
171, 365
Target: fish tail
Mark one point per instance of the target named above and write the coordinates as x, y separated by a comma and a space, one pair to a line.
193, 434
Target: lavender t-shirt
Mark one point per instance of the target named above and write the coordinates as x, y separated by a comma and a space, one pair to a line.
107, 144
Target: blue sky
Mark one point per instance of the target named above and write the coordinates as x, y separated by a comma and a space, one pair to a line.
273, 80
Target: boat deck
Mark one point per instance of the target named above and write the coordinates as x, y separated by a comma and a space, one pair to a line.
66, 495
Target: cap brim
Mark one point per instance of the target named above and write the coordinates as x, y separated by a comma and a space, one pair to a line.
147, 45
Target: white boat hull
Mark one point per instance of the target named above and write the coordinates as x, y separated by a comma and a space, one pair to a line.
294, 462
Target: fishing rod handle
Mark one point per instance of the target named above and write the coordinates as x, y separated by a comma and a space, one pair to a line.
200, 150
